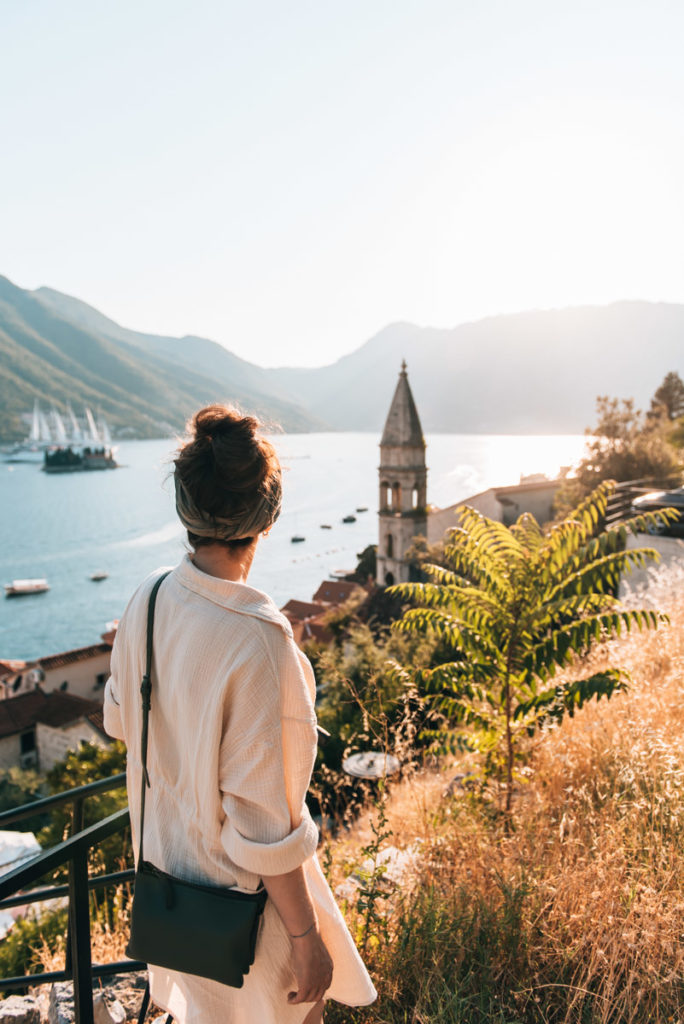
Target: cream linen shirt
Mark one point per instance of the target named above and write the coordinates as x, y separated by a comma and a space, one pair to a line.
232, 745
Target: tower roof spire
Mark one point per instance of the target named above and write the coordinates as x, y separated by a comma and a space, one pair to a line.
402, 426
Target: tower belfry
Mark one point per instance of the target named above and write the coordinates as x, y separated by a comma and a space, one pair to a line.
403, 485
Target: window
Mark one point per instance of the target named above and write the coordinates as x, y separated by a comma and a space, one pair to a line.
389, 579
389, 546
101, 679
385, 499
27, 741
396, 496
64, 686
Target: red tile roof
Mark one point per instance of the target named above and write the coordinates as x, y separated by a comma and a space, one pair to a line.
335, 591
20, 713
302, 609
10, 668
70, 657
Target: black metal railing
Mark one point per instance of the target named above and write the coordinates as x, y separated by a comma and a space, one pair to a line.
15, 890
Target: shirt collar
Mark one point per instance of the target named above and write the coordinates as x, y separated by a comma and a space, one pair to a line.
237, 596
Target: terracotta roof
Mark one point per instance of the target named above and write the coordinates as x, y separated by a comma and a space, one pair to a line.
10, 668
55, 709
402, 426
335, 591
96, 719
70, 657
302, 609
312, 629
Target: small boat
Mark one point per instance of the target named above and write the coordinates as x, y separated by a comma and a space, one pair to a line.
362, 508
100, 574
326, 526
349, 519
297, 539
22, 588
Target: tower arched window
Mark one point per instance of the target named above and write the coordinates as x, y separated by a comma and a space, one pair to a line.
385, 494
396, 496
389, 546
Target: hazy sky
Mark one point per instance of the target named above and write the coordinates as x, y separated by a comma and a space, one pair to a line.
289, 177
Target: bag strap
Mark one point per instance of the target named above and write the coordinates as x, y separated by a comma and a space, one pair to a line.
146, 691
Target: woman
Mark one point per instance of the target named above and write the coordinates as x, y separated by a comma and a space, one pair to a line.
232, 740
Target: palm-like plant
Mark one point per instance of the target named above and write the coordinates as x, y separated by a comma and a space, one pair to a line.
512, 607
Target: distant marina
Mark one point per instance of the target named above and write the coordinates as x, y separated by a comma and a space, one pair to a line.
124, 526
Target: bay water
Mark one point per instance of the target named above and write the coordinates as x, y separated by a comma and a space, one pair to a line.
65, 527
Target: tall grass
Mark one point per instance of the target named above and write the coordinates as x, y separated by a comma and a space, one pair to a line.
577, 913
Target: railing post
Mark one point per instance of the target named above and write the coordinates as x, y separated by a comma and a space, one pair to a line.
79, 930
77, 816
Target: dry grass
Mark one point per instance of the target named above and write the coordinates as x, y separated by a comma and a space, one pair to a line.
575, 915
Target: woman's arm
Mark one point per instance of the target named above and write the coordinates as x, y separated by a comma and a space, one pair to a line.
312, 964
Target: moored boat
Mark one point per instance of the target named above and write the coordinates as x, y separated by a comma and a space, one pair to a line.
23, 588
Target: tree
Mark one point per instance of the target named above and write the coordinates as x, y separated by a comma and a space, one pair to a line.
624, 445
669, 397
513, 607
88, 764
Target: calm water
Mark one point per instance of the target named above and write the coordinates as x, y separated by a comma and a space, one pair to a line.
66, 527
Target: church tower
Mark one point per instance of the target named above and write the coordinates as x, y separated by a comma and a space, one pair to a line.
403, 485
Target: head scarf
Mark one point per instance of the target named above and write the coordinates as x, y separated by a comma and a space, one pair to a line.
245, 522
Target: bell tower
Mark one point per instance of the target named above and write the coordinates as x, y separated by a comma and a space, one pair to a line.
403, 485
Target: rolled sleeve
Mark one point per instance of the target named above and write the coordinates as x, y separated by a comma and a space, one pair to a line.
112, 706
267, 756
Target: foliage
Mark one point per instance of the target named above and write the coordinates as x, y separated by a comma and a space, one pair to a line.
371, 891
88, 764
21, 786
363, 706
624, 445
20, 949
513, 607
669, 397
367, 563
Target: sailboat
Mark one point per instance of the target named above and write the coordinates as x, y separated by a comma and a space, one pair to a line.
38, 441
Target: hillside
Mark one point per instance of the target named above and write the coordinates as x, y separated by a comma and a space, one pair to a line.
49, 352
535, 372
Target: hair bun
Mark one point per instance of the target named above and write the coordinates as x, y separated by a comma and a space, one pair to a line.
215, 420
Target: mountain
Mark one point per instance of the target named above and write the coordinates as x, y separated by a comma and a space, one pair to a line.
534, 372
51, 350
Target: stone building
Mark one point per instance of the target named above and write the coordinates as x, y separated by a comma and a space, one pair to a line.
403, 485
37, 728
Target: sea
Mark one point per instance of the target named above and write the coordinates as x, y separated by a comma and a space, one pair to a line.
66, 526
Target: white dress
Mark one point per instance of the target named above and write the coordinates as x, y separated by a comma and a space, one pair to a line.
231, 749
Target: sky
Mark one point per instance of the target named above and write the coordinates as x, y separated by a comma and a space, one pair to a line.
289, 178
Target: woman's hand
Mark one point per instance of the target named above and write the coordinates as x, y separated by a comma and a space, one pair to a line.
313, 968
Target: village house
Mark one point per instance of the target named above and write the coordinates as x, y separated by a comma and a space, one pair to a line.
37, 729
81, 672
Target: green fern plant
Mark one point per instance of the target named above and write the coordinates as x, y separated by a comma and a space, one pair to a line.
512, 606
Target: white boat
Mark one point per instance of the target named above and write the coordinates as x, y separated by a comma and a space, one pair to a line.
36, 444
98, 575
22, 588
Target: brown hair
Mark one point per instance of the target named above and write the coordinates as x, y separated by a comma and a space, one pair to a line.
226, 471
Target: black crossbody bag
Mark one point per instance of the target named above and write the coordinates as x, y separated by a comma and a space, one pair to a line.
197, 929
